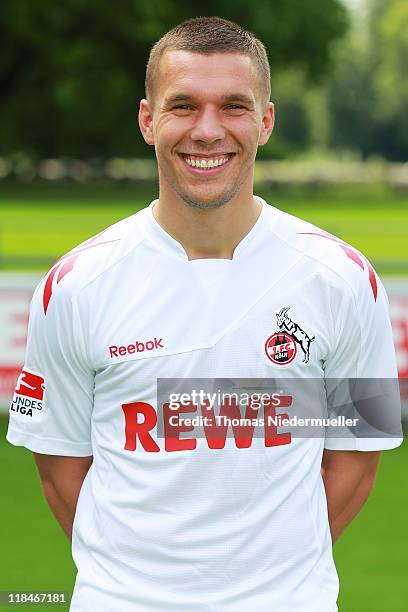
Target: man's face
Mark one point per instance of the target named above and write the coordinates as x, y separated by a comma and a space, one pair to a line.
207, 121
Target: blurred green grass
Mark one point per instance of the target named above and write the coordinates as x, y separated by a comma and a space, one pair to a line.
370, 556
38, 225
35, 553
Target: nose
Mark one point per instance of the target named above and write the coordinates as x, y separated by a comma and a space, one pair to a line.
208, 127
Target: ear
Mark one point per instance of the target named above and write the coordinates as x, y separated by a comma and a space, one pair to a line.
268, 121
146, 121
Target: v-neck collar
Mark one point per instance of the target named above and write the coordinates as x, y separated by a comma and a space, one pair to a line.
172, 247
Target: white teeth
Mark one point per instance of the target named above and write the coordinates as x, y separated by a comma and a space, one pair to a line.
206, 163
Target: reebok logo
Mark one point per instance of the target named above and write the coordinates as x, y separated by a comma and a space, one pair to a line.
137, 347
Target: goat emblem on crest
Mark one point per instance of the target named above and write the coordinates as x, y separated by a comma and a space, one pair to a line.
281, 347
285, 323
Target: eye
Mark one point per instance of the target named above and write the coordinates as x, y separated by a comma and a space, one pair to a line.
183, 107
235, 107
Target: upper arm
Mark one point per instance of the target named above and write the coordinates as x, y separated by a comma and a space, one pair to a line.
338, 459
57, 469
62, 479
354, 467
348, 478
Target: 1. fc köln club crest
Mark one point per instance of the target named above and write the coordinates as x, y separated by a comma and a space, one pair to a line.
281, 348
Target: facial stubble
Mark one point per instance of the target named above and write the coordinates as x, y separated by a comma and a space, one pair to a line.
225, 198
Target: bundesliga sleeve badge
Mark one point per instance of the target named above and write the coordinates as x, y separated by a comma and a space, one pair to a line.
281, 347
29, 394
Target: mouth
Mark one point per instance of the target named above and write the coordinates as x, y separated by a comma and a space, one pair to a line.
206, 164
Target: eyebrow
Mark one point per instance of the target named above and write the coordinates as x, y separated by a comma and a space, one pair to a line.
235, 97
178, 98
239, 98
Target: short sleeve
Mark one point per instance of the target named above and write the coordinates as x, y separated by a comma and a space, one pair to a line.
52, 405
361, 370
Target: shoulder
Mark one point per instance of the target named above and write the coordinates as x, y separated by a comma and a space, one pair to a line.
90, 259
338, 262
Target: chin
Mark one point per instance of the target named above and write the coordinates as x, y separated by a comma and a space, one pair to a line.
207, 203
208, 200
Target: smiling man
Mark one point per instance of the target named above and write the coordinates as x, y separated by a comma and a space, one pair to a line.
207, 112
208, 283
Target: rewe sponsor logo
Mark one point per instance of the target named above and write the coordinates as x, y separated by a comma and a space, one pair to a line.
29, 393
141, 419
138, 347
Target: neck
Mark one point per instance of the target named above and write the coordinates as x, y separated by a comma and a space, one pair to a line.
208, 233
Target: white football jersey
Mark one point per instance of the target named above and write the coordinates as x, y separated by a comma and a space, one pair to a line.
188, 523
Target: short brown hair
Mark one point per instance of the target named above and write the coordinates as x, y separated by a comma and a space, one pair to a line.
210, 35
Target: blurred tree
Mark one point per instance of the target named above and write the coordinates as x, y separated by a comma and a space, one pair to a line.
389, 44
292, 131
350, 99
72, 71
368, 89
